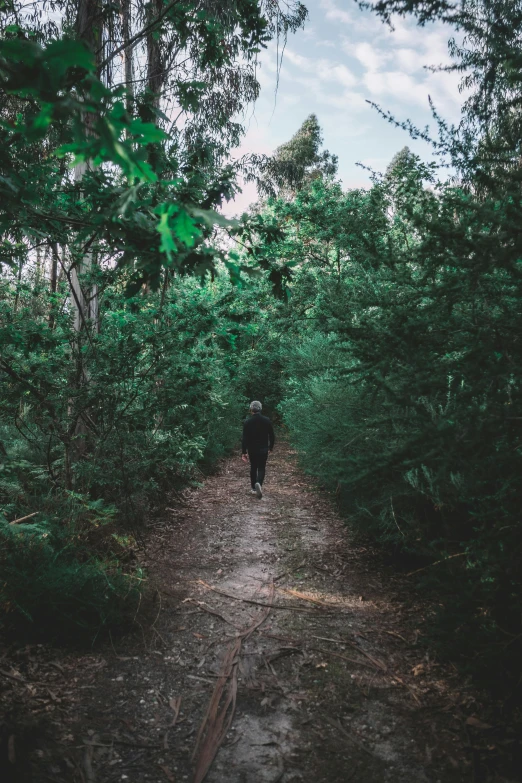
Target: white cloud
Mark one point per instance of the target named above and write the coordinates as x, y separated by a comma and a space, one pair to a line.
368, 55
336, 73
397, 84
242, 201
375, 164
335, 14
297, 59
409, 60
328, 44
327, 71
341, 100
290, 100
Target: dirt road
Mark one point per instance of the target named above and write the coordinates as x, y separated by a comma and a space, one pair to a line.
277, 653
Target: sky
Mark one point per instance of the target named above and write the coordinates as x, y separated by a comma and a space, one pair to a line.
343, 58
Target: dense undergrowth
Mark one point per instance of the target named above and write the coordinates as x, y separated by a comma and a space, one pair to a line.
382, 324
159, 407
402, 386
119, 376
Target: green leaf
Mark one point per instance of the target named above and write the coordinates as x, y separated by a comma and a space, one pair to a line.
17, 50
212, 218
144, 171
147, 131
185, 228
167, 244
66, 54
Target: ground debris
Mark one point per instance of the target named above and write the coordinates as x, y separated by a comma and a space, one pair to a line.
243, 687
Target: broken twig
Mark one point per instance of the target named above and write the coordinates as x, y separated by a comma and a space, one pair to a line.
22, 519
251, 601
337, 725
217, 720
418, 570
304, 597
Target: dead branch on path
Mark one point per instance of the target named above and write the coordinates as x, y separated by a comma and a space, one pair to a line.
337, 725
377, 664
408, 688
206, 608
305, 597
251, 601
301, 643
175, 706
437, 562
290, 571
342, 657
87, 765
217, 720
398, 635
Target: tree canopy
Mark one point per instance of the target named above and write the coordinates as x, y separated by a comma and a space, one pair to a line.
381, 324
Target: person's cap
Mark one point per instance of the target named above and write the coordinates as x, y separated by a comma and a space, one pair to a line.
256, 406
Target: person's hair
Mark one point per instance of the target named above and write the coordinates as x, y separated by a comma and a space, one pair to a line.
256, 406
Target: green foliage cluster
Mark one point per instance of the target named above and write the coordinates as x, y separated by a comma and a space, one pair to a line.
119, 371
158, 407
135, 322
403, 390
400, 344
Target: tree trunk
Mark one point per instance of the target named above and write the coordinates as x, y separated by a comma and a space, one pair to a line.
127, 54
84, 300
18, 285
84, 294
155, 76
53, 283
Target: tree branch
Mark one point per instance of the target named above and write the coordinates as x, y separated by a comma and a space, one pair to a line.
144, 31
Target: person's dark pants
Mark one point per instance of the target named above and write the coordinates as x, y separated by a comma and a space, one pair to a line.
257, 466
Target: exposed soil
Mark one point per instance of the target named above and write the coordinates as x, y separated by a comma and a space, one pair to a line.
267, 605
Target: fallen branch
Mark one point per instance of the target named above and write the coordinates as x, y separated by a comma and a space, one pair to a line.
342, 657
408, 688
114, 741
378, 664
450, 557
21, 679
304, 597
175, 706
281, 638
282, 653
337, 725
250, 601
290, 571
22, 519
217, 720
398, 635
301, 643
87, 765
202, 679
205, 608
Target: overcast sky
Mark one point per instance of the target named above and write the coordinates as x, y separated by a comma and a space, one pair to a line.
343, 58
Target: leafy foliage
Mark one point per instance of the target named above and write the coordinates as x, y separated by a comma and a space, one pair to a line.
295, 163
402, 392
117, 370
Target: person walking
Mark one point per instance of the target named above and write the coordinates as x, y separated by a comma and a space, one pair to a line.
258, 441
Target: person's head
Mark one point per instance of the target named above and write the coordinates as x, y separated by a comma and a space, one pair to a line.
255, 407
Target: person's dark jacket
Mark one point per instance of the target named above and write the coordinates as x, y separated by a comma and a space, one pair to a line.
258, 434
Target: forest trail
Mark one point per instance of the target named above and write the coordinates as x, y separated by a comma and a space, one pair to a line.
331, 688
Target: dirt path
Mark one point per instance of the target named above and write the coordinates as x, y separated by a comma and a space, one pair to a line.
329, 687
